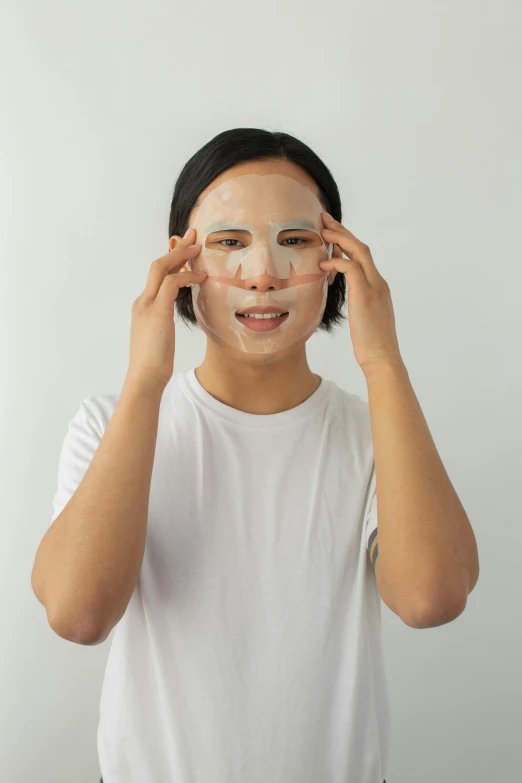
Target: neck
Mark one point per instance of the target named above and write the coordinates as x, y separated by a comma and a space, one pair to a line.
262, 389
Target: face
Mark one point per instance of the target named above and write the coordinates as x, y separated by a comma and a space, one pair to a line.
261, 246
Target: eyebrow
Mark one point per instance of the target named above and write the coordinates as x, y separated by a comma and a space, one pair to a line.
294, 224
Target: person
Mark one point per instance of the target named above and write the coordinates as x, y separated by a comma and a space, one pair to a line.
223, 520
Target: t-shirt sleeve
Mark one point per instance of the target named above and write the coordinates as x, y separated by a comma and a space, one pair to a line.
79, 446
370, 519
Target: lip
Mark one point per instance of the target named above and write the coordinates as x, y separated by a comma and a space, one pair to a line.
262, 324
261, 310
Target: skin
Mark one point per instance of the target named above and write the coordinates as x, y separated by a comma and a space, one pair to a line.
259, 383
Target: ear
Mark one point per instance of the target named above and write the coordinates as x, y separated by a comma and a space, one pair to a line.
173, 241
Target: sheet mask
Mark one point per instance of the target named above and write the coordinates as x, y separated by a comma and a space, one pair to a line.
263, 205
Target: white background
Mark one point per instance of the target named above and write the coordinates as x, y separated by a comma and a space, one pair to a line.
415, 108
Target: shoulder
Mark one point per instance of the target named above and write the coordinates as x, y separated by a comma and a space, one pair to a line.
350, 408
350, 401
96, 411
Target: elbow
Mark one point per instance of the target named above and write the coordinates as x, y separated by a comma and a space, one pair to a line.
446, 603
83, 631
435, 613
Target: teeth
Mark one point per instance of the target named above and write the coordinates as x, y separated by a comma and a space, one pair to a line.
262, 315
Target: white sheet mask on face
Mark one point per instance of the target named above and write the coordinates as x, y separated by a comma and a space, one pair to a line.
264, 205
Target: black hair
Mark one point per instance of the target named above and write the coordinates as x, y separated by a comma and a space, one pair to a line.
239, 145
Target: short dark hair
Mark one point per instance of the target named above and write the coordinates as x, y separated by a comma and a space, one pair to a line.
239, 145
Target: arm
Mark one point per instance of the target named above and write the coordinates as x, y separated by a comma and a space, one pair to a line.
88, 563
427, 561
428, 558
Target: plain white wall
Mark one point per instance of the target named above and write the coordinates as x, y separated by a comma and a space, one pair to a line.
415, 107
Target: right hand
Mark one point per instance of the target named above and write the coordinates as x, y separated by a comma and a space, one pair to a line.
152, 342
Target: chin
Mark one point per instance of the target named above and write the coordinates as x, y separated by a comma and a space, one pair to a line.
255, 359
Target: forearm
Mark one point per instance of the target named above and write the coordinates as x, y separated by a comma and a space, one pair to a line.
427, 548
89, 561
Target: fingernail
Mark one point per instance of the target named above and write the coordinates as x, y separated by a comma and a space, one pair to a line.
329, 216
187, 232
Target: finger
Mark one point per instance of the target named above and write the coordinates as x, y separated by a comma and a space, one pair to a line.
167, 264
172, 283
187, 239
354, 271
353, 247
180, 242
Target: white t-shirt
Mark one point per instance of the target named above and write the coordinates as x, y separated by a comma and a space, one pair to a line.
250, 650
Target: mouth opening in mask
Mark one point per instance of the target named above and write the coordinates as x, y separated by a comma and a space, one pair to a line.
262, 319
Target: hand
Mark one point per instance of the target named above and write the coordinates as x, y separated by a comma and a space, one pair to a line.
370, 309
152, 343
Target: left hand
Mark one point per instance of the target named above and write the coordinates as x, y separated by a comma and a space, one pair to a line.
370, 309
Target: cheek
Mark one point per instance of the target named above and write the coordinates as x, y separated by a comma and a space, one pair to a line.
311, 300
217, 264
211, 304
297, 280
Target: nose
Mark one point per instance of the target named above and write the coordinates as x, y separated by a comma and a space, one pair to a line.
264, 282
268, 279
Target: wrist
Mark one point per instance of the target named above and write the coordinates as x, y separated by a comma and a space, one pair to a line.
386, 366
143, 388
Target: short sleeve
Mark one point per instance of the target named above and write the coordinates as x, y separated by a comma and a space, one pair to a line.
79, 446
370, 520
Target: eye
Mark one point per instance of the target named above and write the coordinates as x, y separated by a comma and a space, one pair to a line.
299, 239
293, 240
228, 240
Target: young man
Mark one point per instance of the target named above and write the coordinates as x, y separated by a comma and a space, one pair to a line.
225, 519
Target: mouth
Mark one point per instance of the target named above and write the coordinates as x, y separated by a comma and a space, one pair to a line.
262, 319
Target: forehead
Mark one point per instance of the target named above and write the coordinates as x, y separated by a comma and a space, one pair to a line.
259, 197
